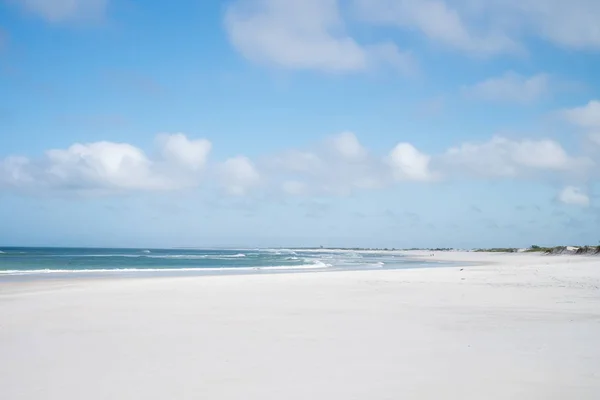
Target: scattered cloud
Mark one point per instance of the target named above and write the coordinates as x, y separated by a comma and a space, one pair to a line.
315, 35
108, 166
511, 87
338, 165
59, 11
574, 196
503, 157
346, 145
436, 21
238, 175
103, 164
489, 27
587, 116
587, 119
180, 151
305, 35
570, 24
409, 164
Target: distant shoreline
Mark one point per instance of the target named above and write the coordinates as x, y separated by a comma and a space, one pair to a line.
586, 249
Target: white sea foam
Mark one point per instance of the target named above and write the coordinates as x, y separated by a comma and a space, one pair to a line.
294, 267
180, 256
320, 264
147, 254
279, 251
197, 256
157, 256
356, 252
94, 255
316, 265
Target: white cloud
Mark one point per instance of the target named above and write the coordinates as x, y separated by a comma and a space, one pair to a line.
511, 87
572, 24
574, 196
489, 27
346, 145
238, 175
502, 157
305, 35
409, 164
587, 116
57, 11
316, 171
299, 162
313, 34
178, 149
15, 171
338, 165
101, 164
108, 166
437, 21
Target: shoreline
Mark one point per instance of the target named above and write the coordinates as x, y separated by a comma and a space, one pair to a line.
426, 259
393, 260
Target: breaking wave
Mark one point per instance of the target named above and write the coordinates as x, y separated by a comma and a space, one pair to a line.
317, 265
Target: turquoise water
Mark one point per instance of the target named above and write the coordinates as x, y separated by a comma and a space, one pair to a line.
20, 261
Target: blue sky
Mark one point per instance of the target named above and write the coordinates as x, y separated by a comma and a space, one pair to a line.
392, 123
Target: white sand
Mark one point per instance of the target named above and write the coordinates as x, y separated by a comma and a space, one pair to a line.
526, 328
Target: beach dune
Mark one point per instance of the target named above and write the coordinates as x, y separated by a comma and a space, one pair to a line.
507, 326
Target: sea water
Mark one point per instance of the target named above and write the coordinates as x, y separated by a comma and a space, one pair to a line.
24, 261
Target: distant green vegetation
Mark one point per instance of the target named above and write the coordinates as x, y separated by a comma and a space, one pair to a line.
546, 250
498, 250
563, 249
539, 249
592, 250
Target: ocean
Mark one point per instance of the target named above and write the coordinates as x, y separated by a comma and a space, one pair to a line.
24, 261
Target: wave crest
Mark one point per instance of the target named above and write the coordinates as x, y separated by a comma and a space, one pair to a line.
152, 270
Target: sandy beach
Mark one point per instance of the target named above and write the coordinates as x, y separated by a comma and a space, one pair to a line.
507, 326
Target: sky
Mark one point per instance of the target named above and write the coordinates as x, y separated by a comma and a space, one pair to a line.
262, 123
